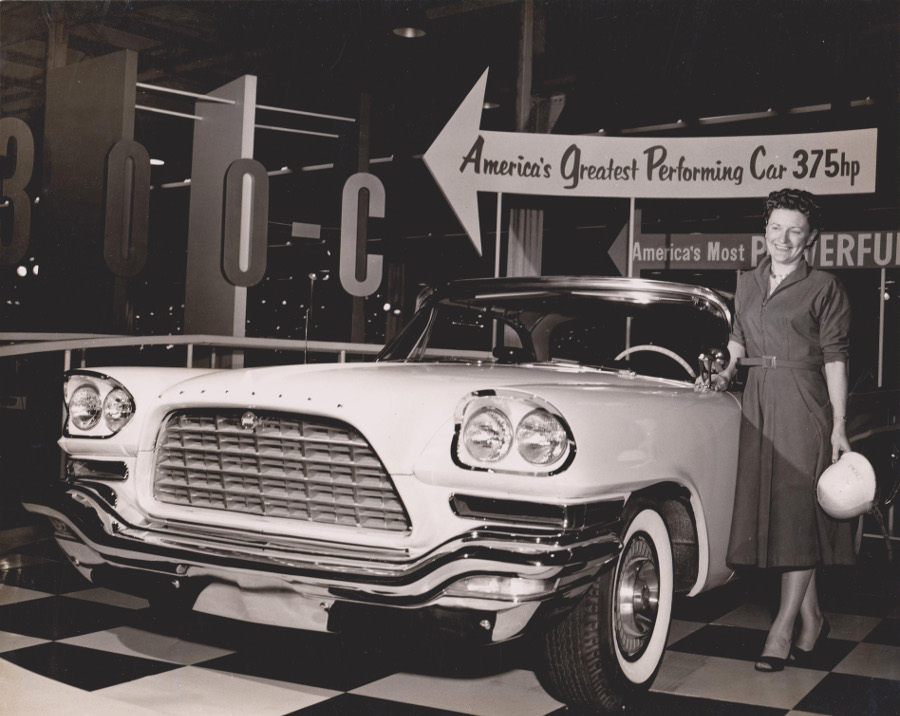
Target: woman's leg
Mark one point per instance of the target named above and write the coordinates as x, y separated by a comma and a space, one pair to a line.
794, 587
811, 617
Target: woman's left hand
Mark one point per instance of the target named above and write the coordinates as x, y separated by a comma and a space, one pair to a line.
839, 442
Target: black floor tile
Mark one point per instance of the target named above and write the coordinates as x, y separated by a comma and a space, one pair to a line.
321, 660
87, 669
888, 632
727, 642
353, 705
673, 705
60, 617
843, 695
715, 603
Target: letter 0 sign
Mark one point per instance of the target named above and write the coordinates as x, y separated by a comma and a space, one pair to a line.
246, 223
354, 233
12, 128
127, 208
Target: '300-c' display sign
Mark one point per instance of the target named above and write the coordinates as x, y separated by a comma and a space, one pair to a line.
244, 244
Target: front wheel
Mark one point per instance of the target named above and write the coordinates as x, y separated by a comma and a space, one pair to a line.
608, 649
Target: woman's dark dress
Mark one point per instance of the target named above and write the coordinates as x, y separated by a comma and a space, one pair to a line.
785, 440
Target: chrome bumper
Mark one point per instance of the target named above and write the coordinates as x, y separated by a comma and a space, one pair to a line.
297, 583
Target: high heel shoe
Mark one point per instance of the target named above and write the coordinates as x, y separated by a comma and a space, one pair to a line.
803, 655
769, 664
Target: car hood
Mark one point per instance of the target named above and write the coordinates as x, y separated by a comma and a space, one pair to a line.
412, 386
398, 407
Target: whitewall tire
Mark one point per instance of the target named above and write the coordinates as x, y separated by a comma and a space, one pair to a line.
607, 650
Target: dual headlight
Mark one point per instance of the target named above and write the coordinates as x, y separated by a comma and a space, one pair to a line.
512, 433
96, 405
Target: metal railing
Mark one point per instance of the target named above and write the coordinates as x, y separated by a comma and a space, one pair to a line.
21, 344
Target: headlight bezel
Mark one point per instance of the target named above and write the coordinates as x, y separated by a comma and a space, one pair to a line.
516, 406
104, 386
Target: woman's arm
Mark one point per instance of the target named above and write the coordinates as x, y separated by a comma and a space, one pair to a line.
836, 378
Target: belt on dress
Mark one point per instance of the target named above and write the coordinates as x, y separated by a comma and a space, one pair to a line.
775, 362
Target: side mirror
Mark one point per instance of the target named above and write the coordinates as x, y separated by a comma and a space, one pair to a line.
712, 361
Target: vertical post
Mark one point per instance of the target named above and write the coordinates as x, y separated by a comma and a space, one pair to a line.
633, 216
90, 108
57, 39
881, 328
358, 310
497, 234
526, 226
223, 135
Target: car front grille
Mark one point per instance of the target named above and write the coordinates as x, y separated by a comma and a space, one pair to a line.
276, 465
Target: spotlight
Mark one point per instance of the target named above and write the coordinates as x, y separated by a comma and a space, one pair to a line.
409, 33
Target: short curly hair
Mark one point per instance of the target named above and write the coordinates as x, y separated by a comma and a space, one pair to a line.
797, 200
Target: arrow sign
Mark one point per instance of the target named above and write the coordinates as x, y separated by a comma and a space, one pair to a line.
686, 251
846, 249
465, 160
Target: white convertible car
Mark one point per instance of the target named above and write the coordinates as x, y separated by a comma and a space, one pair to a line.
527, 454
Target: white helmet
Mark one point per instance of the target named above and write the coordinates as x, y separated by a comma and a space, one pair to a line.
847, 488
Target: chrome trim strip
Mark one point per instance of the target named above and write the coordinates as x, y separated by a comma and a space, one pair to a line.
477, 551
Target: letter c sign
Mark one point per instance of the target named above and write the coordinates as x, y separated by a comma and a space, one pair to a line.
354, 233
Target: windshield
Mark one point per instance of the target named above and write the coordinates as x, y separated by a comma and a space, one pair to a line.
637, 331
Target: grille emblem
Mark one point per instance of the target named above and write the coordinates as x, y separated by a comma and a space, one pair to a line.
249, 420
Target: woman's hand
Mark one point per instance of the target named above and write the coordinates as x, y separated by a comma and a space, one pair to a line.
839, 442
718, 382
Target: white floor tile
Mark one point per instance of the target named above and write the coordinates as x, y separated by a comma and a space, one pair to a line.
737, 681
25, 692
108, 596
9, 641
193, 691
875, 660
675, 668
136, 642
513, 693
14, 595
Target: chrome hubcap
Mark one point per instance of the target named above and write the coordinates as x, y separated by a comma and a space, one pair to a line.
637, 597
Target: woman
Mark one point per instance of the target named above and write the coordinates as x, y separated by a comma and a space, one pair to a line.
791, 328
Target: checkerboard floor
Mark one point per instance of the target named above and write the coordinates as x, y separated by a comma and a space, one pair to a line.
67, 647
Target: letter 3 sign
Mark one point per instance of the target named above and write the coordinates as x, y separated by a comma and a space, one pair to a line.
354, 233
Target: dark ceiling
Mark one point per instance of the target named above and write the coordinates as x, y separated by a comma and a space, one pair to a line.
621, 64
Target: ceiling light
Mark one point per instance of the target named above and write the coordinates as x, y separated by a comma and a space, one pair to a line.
409, 32
156, 162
